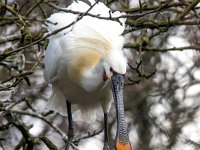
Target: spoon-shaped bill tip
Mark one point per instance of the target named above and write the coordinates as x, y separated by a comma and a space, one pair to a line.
122, 146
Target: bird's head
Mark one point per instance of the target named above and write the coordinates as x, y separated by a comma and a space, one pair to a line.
115, 62
107, 46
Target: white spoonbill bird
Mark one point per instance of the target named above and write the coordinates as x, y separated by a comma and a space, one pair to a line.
85, 65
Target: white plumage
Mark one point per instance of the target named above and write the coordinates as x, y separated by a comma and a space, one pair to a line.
78, 59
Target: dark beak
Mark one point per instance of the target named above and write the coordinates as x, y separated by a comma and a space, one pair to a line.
121, 139
117, 89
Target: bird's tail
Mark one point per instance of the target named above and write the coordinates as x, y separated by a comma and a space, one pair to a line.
57, 102
83, 114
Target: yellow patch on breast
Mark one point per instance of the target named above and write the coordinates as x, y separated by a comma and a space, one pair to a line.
84, 60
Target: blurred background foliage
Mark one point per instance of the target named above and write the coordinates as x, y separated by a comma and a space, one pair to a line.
162, 88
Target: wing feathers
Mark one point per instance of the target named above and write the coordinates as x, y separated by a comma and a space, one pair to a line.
51, 59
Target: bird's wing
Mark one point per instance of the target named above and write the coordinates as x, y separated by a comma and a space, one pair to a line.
51, 59
55, 46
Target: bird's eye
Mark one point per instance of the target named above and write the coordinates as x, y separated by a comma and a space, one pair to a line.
111, 69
